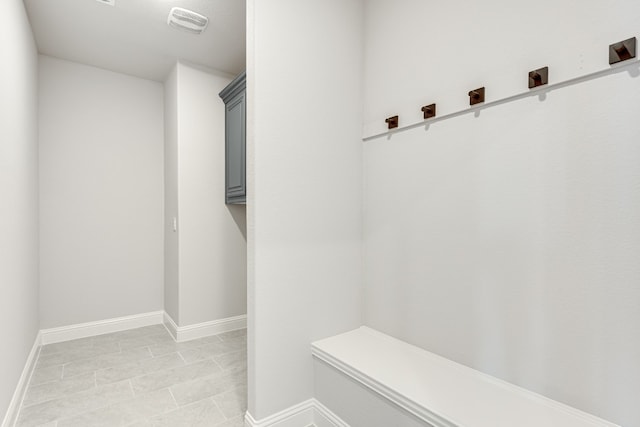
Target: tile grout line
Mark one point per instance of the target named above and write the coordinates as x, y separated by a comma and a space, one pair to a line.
46, 382
217, 364
84, 412
215, 402
63, 395
174, 398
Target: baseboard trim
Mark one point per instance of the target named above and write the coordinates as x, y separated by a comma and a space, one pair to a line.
21, 388
205, 329
323, 417
90, 329
300, 415
179, 333
308, 413
171, 326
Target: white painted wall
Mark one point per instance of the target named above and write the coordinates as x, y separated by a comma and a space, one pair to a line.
101, 194
171, 242
304, 70
213, 260
18, 195
508, 241
206, 259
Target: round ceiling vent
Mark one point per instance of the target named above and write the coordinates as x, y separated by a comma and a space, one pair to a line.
187, 20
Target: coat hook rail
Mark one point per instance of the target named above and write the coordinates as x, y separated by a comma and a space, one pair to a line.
539, 79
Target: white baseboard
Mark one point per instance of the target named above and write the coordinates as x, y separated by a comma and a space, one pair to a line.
21, 388
201, 330
90, 329
323, 417
307, 413
171, 326
179, 333
300, 415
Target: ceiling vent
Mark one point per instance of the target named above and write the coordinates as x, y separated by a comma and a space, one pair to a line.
187, 20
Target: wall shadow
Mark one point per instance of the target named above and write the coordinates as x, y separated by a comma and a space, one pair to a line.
239, 215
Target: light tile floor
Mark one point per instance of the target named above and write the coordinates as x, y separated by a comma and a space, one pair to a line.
139, 378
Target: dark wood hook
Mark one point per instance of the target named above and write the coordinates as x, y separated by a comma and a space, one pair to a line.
622, 51
476, 96
392, 122
538, 77
429, 111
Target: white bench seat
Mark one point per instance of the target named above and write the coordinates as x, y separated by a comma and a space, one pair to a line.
439, 391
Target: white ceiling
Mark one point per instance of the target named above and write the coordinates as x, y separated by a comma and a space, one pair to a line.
133, 37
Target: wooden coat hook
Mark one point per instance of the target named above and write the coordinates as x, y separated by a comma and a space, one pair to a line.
429, 111
538, 77
392, 122
622, 51
476, 96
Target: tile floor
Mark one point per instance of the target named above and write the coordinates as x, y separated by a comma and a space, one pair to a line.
139, 378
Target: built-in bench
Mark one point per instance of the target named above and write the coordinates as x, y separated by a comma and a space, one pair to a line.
434, 390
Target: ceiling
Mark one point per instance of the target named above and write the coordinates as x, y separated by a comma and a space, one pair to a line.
133, 37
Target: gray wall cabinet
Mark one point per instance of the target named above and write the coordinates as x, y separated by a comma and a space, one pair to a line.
234, 97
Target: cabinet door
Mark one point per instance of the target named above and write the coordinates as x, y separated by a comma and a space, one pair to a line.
235, 150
